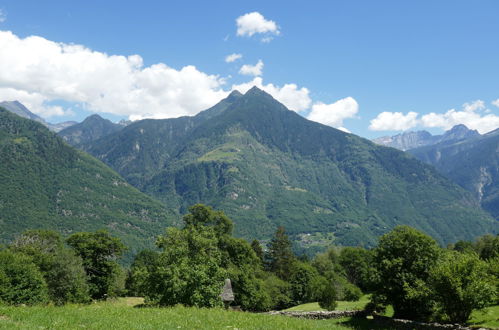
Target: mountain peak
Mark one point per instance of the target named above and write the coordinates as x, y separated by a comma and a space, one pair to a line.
235, 93
255, 91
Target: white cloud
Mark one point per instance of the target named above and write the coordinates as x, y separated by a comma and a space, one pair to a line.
35, 102
3, 16
495, 103
474, 115
294, 98
35, 71
394, 121
233, 57
252, 70
253, 23
333, 114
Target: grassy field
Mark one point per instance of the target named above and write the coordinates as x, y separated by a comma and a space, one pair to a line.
121, 315
342, 306
488, 318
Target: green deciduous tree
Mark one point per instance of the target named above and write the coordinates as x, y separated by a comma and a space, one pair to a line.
62, 269
460, 284
188, 270
403, 260
144, 263
357, 264
99, 251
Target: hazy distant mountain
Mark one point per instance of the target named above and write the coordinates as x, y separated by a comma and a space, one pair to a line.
267, 166
411, 140
472, 163
45, 183
60, 126
19, 109
92, 128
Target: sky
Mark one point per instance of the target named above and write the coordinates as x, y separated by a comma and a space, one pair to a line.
372, 68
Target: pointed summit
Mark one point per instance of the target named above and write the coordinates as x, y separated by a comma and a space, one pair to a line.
234, 94
256, 91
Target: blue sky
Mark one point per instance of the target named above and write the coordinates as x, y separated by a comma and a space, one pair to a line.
423, 64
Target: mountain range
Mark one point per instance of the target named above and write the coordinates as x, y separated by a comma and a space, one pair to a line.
266, 166
45, 183
411, 140
248, 155
472, 163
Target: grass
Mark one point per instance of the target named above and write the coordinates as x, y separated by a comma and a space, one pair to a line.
342, 306
121, 315
488, 318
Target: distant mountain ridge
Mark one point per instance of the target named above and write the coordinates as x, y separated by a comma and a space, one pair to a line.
19, 109
45, 183
411, 140
266, 166
472, 163
92, 128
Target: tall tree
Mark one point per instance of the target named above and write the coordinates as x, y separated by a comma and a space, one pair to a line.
99, 251
403, 260
280, 257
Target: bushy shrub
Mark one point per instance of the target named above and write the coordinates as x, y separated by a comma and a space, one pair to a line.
351, 292
20, 280
460, 284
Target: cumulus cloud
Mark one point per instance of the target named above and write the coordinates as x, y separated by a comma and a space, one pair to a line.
394, 121
335, 113
294, 98
36, 71
254, 23
233, 57
252, 70
495, 103
474, 115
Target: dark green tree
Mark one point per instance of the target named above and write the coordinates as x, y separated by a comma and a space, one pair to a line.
357, 264
487, 247
20, 280
403, 260
304, 282
257, 247
99, 252
280, 257
326, 295
144, 263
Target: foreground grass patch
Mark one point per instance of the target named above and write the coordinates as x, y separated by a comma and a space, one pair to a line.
119, 315
342, 306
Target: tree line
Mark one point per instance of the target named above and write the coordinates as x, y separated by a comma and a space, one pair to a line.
407, 270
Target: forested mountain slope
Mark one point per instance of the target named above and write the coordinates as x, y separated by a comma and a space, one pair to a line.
45, 183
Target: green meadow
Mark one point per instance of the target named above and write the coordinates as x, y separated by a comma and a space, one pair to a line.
126, 313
